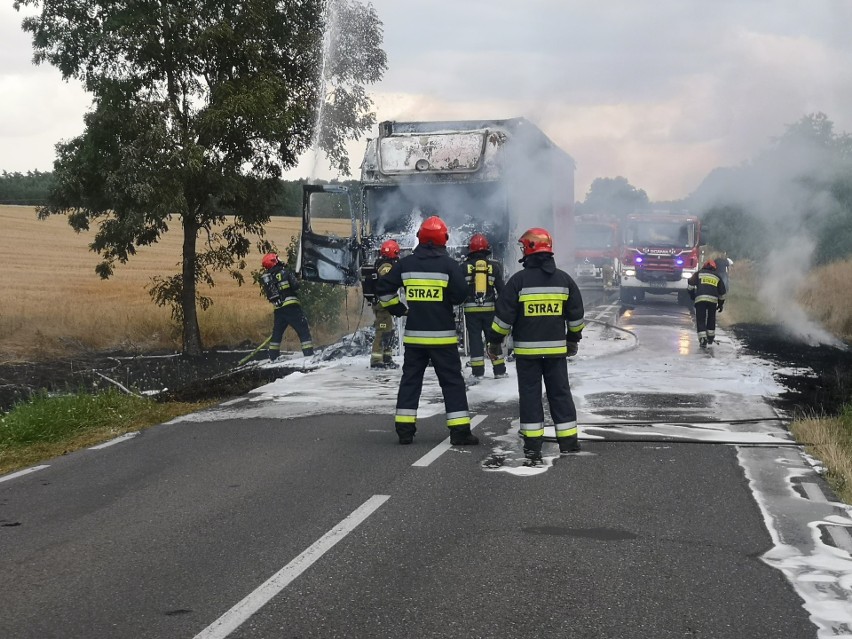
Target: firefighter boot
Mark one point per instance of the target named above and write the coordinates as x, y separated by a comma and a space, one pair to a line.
532, 451
532, 459
405, 432
568, 444
702, 342
461, 436
387, 362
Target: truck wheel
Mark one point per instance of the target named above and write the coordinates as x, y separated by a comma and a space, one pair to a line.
683, 298
627, 295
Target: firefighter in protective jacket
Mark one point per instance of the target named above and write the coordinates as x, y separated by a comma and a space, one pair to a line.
484, 279
434, 284
280, 286
542, 308
382, 355
708, 291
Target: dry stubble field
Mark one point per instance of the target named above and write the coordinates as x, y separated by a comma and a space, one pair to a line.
52, 303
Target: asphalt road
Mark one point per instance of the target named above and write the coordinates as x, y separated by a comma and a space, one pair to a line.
173, 534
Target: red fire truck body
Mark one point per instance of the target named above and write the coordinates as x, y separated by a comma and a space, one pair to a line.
661, 251
597, 249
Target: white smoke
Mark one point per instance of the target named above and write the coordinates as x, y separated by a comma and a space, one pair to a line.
785, 189
785, 272
519, 191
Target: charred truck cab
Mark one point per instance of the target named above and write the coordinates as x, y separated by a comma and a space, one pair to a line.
495, 177
661, 252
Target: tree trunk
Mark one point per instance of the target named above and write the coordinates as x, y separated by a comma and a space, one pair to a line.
191, 331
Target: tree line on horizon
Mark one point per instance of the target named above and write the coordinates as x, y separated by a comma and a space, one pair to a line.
33, 188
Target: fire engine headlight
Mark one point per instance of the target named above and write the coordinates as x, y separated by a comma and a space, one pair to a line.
629, 272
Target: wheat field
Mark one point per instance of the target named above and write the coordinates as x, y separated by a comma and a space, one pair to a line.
53, 303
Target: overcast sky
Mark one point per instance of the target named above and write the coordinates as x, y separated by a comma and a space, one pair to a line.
659, 92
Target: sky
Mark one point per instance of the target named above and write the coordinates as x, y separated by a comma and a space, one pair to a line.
660, 93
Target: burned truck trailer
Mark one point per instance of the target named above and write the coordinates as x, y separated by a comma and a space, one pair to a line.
497, 177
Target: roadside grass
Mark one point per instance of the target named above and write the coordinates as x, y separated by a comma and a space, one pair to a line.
742, 304
47, 427
826, 296
829, 439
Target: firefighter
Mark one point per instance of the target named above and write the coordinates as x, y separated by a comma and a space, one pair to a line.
434, 284
708, 291
484, 279
542, 308
280, 286
382, 355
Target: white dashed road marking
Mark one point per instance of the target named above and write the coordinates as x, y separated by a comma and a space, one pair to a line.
235, 617
445, 445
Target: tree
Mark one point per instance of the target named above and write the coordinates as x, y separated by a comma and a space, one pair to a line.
198, 107
733, 230
614, 196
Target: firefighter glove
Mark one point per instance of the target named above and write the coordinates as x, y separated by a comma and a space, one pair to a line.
720, 307
495, 350
398, 310
572, 348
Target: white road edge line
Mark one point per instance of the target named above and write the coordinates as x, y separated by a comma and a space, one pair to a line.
813, 492
444, 446
839, 534
237, 615
117, 440
21, 473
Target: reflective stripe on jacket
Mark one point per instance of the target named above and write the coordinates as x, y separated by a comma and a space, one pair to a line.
541, 306
288, 285
433, 284
706, 286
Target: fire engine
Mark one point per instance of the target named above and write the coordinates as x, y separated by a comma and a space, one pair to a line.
661, 252
597, 245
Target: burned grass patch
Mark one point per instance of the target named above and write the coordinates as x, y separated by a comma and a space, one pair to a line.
824, 389
166, 376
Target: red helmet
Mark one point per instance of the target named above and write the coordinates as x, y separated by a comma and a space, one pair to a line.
390, 249
269, 260
536, 240
710, 264
433, 230
479, 243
